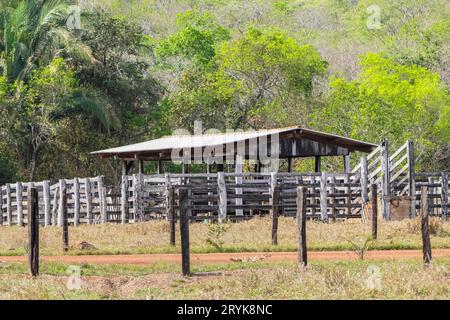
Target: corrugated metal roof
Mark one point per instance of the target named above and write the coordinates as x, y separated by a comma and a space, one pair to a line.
216, 139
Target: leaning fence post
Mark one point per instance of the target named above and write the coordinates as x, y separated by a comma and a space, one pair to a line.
301, 225
19, 200
62, 205
76, 205
323, 197
424, 213
124, 199
171, 213
33, 231
373, 192
65, 220
46, 195
444, 194
184, 230
275, 199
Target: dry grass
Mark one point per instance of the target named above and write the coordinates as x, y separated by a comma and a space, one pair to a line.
404, 279
253, 235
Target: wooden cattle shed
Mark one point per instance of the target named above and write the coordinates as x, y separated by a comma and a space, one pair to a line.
291, 143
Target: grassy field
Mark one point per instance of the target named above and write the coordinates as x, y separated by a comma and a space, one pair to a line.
253, 235
402, 279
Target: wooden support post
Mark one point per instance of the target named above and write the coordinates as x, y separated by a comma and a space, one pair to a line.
347, 168
333, 209
185, 168
301, 225
62, 204
19, 200
364, 180
171, 213
184, 230
275, 213
238, 180
317, 164
424, 213
411, 178
47, 206
33, 231
222, 191
89, 214
65, 219
8, 205
76, 200
348, 191
290, 164
323, 197
55, 207
124, 199
1, 206
141, 166
385, 179
373, 194
137, 197
159, 167
102, 199
444, 194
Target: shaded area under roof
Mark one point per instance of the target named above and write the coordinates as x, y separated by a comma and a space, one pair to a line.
294, 142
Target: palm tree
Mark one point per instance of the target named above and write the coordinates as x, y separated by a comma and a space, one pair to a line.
33, 33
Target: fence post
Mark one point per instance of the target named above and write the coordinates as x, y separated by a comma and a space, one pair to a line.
184, 230
275, 213
19, 200
87, 188
411, 178
46, 195
444, 194
171, 213
323, 197
124, 199
33, 231
222, 191
301, 225
424, 213
373, 192
238, 180
55, 207
1, 206
385, 179
76, 204
62, 192
65, 220
8, 205
364, 180
137, 202
102, 199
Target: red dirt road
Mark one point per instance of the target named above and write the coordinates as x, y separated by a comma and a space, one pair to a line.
144, 259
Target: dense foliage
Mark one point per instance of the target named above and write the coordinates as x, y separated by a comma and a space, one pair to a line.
80, 77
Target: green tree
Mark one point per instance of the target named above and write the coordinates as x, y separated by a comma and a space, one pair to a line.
394, 101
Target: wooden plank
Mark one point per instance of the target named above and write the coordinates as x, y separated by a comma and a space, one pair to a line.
76, 198
323, 197
102, 199
301, 226
238, 180
47, 206
88, 195
364, 180
171, 213
55, 206
33, 231
222, 192
137, 197
424, 212
184, 230
19, 205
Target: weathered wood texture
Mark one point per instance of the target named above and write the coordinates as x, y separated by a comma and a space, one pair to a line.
301, 225
184, 230
33, 231
424, 214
